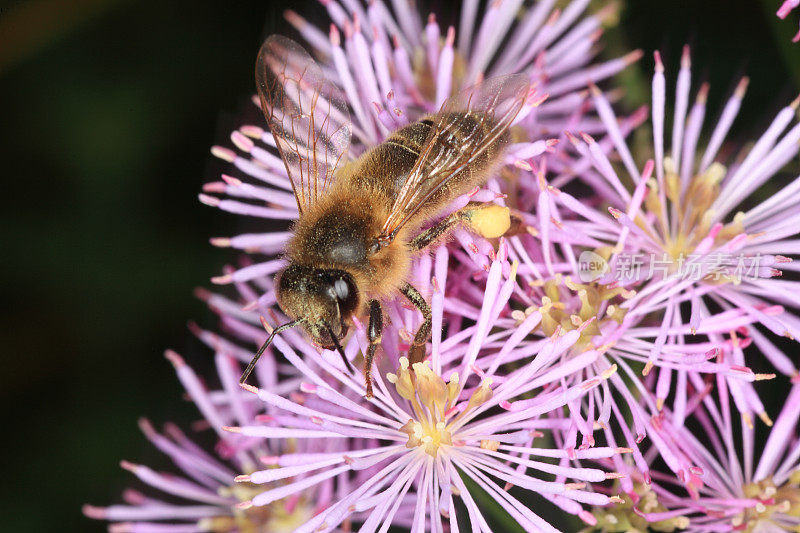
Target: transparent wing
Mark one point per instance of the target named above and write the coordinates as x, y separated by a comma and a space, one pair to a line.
307, 115
454, 143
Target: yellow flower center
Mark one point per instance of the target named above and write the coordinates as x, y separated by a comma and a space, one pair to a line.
433, 401
275, 517
686, 219
771, 499
568, 305
622, 517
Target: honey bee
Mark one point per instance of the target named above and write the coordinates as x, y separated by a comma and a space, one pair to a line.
361, 222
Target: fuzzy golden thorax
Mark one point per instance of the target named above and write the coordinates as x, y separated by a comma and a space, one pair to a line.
340, 232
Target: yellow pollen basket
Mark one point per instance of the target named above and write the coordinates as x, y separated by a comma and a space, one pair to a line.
432, 401
490, 222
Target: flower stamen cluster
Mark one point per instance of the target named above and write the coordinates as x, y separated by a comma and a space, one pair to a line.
628, 516
434, 403
769, 499
568, 304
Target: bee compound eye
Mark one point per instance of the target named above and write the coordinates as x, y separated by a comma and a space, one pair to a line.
342, 289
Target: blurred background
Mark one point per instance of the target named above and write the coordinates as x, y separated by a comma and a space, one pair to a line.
108, 110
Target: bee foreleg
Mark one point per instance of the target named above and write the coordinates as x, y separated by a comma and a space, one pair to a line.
416, 353
374, 330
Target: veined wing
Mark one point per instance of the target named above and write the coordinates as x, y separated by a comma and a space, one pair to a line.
491, 106
307, 115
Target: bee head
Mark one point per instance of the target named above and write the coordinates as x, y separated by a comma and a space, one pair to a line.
324, 299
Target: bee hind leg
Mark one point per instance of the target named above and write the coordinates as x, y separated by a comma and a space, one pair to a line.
431, 235
416, 353
374, 330
488, 220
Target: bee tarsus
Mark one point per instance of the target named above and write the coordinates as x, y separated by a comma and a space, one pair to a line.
416, 352
374, 331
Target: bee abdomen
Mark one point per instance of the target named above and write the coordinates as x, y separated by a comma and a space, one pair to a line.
459, 135
385, 168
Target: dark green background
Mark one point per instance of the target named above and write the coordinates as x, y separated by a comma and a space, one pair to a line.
108, 110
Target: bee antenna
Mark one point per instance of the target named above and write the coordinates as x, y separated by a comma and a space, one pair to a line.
264, 346
340, 350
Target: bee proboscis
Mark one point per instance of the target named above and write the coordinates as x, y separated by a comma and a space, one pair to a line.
361, 221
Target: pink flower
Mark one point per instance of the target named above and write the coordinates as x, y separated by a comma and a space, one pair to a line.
425, 433
732, 481
311, 437
703, 270
203, 496
400, 65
